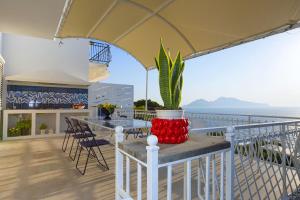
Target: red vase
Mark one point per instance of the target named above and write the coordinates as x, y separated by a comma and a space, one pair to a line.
170, 131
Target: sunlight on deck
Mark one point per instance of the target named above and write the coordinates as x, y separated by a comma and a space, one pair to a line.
38, 169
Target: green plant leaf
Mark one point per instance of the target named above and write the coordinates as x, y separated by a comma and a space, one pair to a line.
170, 78
164, 77
178, 94
156, 64
175, 76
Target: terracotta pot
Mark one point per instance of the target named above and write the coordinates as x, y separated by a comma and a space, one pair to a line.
170, 127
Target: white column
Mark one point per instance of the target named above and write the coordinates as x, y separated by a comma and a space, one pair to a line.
119, 137
230, 164
5, 124
152, 168
283, 163
57, 122
33, 123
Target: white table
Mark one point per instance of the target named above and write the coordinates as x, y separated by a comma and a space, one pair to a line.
127, 124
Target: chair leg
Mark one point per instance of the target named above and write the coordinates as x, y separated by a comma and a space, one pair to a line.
70, 152
65, 143
87, 160
106, 165
76, 150
68, 141
78, 156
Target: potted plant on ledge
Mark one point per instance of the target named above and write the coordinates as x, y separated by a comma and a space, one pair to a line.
170, 126
43, 128
107, 109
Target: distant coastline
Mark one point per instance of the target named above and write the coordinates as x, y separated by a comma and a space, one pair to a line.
224, 102
278, 111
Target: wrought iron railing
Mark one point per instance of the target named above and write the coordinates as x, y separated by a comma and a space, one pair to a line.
99, 52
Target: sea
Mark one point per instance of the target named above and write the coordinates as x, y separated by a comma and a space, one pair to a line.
277, 111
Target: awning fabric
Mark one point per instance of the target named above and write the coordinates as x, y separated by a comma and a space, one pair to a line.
195, 27
37, 18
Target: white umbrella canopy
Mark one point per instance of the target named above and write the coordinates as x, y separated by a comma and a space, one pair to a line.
195, 27
30, 17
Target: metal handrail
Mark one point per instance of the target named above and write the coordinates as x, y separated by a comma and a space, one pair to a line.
245, 115
99, 52
259, 125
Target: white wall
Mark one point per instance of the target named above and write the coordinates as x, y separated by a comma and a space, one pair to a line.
24, 54
0, 43
119, 94
1, 57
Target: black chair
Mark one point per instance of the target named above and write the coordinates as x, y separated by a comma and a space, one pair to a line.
91, 145
68, 132
79, 135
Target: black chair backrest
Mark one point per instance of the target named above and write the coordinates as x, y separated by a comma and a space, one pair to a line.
76, 125
69, 125
85, 129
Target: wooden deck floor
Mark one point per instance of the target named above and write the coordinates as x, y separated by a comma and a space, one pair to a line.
38, 169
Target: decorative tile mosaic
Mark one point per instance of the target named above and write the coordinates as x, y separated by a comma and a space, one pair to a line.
24, 97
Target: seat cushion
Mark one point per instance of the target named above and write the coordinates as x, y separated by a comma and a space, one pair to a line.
81, 135
94, 143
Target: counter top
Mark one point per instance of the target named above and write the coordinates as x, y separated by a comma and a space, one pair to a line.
195, 146
12, 111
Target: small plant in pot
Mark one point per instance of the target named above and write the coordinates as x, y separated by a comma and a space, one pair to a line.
51, 131
170, 126
43, 128
106, 109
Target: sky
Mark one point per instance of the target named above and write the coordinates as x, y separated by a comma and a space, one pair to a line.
263, 71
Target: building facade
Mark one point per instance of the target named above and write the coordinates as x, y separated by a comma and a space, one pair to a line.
54, 74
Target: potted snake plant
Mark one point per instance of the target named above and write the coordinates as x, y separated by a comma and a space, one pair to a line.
170, 125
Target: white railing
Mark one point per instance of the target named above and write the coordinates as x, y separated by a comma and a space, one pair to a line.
265, 163
219, 119
211, 181
266, 160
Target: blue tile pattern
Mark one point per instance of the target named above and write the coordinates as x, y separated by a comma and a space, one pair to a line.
47, 97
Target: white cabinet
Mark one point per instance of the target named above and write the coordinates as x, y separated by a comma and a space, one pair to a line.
29, 122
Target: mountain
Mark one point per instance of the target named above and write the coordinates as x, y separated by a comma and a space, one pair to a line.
224, 102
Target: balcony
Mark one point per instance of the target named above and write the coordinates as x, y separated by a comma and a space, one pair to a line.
99, 59
99, 53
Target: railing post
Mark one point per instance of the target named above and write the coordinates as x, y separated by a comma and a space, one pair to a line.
152, 168
230, 164
283, 161
119, 137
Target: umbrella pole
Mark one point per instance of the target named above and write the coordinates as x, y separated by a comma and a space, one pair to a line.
146, 100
